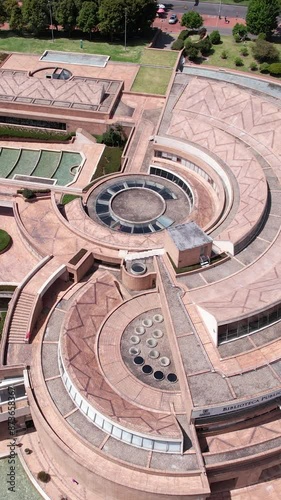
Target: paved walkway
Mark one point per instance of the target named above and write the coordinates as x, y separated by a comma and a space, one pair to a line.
209, 22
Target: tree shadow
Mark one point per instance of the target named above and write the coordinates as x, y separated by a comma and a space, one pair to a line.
163, 40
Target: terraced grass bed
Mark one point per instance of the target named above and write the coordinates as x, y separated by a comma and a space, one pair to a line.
26, 163
47, 164
60, 165
66, 170
8, 159
152, 80
159, 58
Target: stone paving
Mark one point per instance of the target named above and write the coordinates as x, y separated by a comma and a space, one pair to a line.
112, 71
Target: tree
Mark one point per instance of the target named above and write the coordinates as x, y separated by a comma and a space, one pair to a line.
3, 12
215, 37
9, 6
114, 136
205, 46
262, 16
241, 30
66, 13
16, 21
264, 51
192, 20
137, 14
88, 17
192, 53
35, 16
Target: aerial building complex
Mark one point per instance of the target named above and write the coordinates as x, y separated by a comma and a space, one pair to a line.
142, 336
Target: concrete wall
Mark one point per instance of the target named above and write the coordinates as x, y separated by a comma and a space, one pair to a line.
107, 478
82, 267
137, 283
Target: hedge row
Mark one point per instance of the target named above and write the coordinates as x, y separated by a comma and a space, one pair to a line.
44, 135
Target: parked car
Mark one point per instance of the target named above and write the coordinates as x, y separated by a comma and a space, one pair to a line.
161, 6
173, 19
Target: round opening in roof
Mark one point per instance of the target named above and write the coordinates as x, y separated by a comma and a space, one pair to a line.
154, 354
158, 318
147, 369
135, 339
147, 323
138, 268
138, 360
151, 343
164, 361
134, 351
157, 334
139, 330
159, 375
172, 378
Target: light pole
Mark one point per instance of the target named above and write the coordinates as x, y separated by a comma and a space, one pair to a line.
125, 34
220, 10
51, 20
219, 14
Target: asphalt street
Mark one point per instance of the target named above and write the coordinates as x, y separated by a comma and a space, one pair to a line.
211, 9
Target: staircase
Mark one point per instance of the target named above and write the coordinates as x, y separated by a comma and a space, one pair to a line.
20, 318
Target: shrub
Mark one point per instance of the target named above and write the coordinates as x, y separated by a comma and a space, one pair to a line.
264, 68
238, 61
224, 54
187, 43
241, 30
114, 136
5, 239
215, 37
43, 476
237, 38
42, 135
183, 35
262, 36
205, 46
265, 51
202, 32
253, 66
244, 51
275, 69
28, 193
178, 44
193, 53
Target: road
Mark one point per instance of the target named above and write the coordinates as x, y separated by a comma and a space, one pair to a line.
211, 9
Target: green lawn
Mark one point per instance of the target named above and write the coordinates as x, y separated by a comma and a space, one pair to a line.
109, 163
159, 57
11, 43
67, 198
233, 50
152, 80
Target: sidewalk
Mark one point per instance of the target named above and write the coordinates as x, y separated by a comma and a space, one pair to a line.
209, 22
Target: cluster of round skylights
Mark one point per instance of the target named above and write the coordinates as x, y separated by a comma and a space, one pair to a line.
144, 221
154, 352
